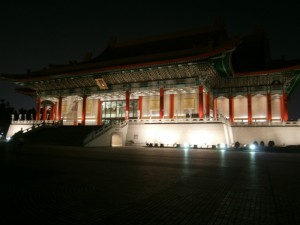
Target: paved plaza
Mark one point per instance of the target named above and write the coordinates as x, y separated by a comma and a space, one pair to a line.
135, 185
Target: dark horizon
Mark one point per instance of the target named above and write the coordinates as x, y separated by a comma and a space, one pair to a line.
34, 36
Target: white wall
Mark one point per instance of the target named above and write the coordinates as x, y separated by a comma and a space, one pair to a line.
240, 107
210, 134
223, 106
259, 106
280, 135
200, 134
275, 103
169, 134
146, 108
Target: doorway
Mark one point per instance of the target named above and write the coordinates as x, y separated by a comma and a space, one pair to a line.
116, 139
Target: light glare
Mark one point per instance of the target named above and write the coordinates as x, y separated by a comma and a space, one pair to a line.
185, 145
222, 145
252, 146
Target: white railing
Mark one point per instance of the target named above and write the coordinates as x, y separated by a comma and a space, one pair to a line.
266, 123
96, 133
37, 124
26, 122
178, 120
215, 120
121, 125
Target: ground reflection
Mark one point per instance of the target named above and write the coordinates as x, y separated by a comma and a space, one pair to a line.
223, 160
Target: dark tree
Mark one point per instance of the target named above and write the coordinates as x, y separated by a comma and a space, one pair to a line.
237, 144
5, 116
271, 144
6, 113
30, 113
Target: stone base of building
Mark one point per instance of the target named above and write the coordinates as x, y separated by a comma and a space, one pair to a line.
201, 134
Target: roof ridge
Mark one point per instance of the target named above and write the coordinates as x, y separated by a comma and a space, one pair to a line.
267, 71
118, 43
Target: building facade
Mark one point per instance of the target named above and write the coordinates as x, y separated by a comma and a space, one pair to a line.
179, 77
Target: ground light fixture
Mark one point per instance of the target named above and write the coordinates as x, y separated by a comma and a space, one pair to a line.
252, 146
223, 146
186, 146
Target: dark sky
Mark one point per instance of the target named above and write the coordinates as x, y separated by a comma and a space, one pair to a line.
35, 35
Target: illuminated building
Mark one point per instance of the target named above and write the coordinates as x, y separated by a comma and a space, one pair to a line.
175, 88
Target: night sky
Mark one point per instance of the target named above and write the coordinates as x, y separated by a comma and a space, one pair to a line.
36, 35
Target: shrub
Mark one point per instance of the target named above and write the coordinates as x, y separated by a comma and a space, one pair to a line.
271, 144
237, 144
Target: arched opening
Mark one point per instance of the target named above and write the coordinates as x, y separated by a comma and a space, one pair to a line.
46, 110
116, 139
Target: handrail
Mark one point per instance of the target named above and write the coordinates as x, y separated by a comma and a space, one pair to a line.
121, 125
37, 126
26, 122
96, 133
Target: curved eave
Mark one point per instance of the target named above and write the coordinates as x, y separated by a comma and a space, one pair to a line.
295, 80
268, 72
103, 68
26, 91
292, 87
223, 64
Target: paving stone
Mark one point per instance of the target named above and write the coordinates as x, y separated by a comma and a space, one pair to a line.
61, 185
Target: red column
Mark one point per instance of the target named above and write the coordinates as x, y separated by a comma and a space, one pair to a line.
200, 101
269, 108
51, 112
161, 103
38, 109
127, 102
231, 109
284, 108
59, 108
215, 107
44, 113
207, 104
141, 106
83, 110
99, 112
249, 103
285, 104
171, 106
281, 108
55, 111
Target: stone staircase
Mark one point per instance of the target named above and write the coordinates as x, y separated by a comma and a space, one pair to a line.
62, 135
